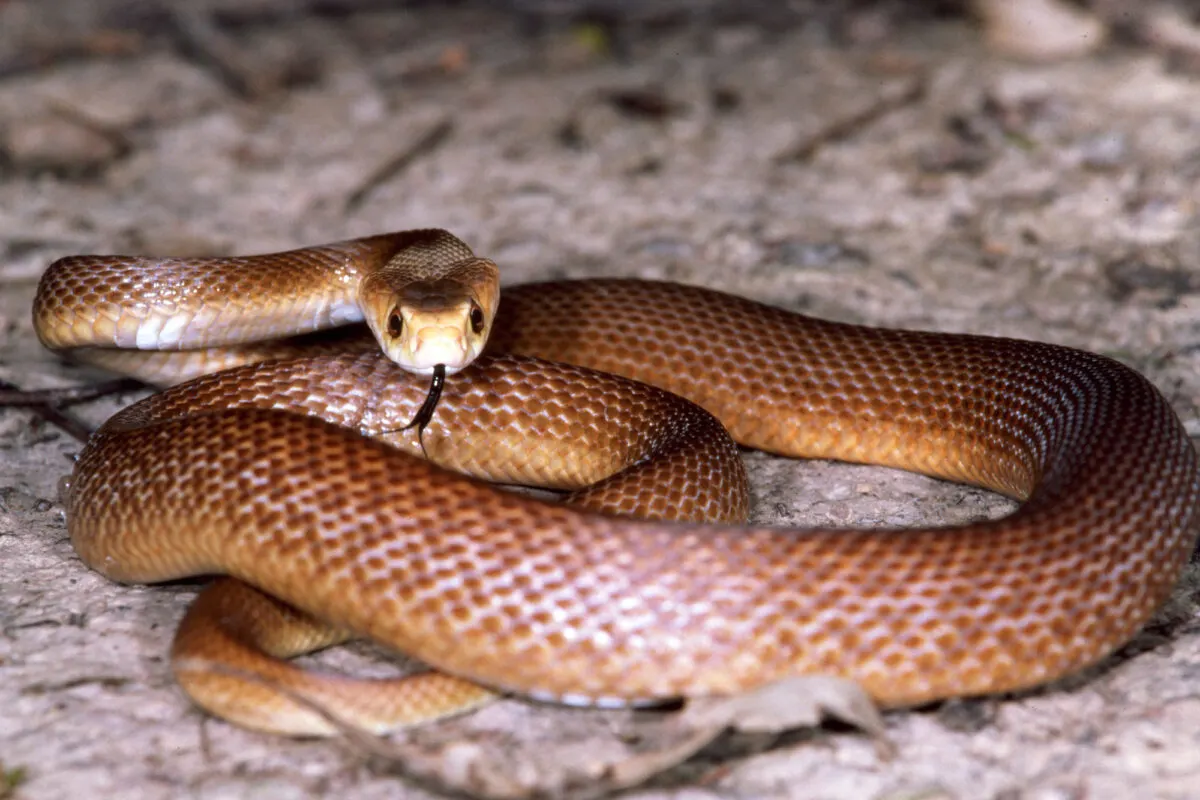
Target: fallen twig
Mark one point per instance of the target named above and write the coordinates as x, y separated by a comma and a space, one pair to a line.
11, 395
499, 771
48, 404
846, 127
433, 138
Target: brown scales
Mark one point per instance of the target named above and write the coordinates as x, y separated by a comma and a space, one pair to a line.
538, 598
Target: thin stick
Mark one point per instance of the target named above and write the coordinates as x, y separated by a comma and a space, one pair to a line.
48, 404
12, 396
427, 143
846, 127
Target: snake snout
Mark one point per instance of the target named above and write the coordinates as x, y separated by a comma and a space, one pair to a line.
439, 344
420, 339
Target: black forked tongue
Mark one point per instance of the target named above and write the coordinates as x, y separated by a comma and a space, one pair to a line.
425, 412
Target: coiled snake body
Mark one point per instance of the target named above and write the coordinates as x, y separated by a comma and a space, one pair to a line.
565, 603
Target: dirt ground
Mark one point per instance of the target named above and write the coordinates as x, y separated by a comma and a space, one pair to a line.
902, 177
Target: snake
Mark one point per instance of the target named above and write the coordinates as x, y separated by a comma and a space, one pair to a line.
284, 471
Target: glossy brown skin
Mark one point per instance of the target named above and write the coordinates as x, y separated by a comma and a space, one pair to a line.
427, 276
615, 445
561, 603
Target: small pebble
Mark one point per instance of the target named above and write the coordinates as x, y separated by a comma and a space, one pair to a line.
1104, 151
57, 145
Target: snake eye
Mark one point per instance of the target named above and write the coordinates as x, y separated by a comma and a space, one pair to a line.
476, 318
395, 324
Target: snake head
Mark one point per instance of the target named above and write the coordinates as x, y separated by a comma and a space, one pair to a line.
422, 321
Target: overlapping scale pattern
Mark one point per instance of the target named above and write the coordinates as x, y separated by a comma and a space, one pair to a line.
564, 603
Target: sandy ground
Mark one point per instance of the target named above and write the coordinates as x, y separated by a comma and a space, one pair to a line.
913, 181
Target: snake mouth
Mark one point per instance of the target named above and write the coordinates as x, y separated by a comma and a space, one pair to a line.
422, 340
426, 330
424, 317
438, 346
